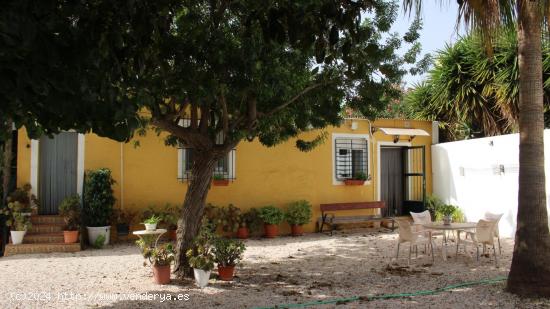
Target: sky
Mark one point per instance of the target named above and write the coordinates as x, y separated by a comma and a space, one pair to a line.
439, 28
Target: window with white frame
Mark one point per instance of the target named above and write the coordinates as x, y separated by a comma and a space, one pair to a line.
350, 157
224, 168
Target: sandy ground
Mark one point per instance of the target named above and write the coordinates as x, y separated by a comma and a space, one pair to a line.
275, 271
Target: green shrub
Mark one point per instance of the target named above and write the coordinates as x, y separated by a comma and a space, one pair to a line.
200, 256
251, 219
99, 241
228, 252
98, 197
360, 176
70, 210
15, 218
271, 215
161, 255
154, 219
298, 213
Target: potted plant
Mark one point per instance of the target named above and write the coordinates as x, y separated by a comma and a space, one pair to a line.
249, 222
357, 180
16, 221
227, 253
160, 258
98, 204
70, 210
200, 257
169, 218
219, 180
447, 211
151, 223
228, 218
27, 200
271, 216
123, 220
297, 214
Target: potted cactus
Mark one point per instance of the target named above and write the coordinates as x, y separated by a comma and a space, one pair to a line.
70, 211
227, 253
271, 216
16, 221
297, 214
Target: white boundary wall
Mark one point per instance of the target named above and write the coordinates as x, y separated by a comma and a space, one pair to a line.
481, 175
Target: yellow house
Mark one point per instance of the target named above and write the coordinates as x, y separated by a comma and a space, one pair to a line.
155, 174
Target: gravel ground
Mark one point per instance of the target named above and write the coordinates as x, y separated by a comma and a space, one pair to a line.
275, 271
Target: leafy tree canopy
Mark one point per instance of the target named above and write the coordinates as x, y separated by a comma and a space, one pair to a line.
473, 94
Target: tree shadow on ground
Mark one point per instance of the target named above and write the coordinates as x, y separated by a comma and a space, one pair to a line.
357, 264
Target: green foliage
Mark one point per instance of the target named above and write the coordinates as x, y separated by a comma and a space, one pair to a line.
14, 217
123, 216
25, 198
200, 256
360, 176
471, 94
218, 177
227, 218
438, 209
99, 241
298, 213
70, 209
271, 215
161, 255
170, 216
98, 197
251, 219
228, 252
152, 220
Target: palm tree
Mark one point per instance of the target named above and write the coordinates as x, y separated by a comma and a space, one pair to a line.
530, 270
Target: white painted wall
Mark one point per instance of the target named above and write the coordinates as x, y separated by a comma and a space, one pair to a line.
466, 173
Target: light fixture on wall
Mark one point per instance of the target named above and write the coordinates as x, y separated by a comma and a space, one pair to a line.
354, 125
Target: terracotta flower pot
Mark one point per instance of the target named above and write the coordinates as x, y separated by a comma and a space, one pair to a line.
173, 234
70, 236
271, 230
220, 182
242, 233
354, 182
226, 272
297, 230
161, 274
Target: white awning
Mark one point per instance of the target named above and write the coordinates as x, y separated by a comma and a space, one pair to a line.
404, 132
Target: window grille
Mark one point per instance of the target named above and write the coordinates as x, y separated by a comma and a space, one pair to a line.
224, 167
351, 157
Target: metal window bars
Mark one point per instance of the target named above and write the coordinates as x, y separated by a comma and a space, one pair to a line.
224, 168
351, 157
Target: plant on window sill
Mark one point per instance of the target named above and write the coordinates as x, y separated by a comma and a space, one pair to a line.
357, 180
219, 180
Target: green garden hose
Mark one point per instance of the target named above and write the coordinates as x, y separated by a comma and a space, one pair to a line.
338, 301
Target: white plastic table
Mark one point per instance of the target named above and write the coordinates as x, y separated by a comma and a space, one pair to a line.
451, 227
158, 233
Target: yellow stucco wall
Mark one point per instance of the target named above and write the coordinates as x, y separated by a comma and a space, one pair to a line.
276, 175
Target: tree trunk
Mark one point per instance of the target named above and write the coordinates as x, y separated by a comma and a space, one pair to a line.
530, 270
193, 208
6, 164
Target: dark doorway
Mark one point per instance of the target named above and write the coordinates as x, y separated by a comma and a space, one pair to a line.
391, 180
57, 170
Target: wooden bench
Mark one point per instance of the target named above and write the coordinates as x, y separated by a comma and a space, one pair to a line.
328, 217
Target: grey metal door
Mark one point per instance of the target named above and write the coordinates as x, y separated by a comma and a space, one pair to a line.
391, 180
57, 170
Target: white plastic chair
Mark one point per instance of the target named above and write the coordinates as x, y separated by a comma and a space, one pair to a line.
495, 217
406, 234
484, 235
424, 217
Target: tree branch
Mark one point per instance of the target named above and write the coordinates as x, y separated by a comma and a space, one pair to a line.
294, 99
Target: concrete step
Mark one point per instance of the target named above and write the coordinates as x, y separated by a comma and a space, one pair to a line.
47, 219
40, 248
43, 238
46, 228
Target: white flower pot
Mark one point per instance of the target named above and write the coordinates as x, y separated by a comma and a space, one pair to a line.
150, 226
201, 277
95, 231
17, 237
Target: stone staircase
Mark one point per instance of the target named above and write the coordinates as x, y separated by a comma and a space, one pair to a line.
45, 236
